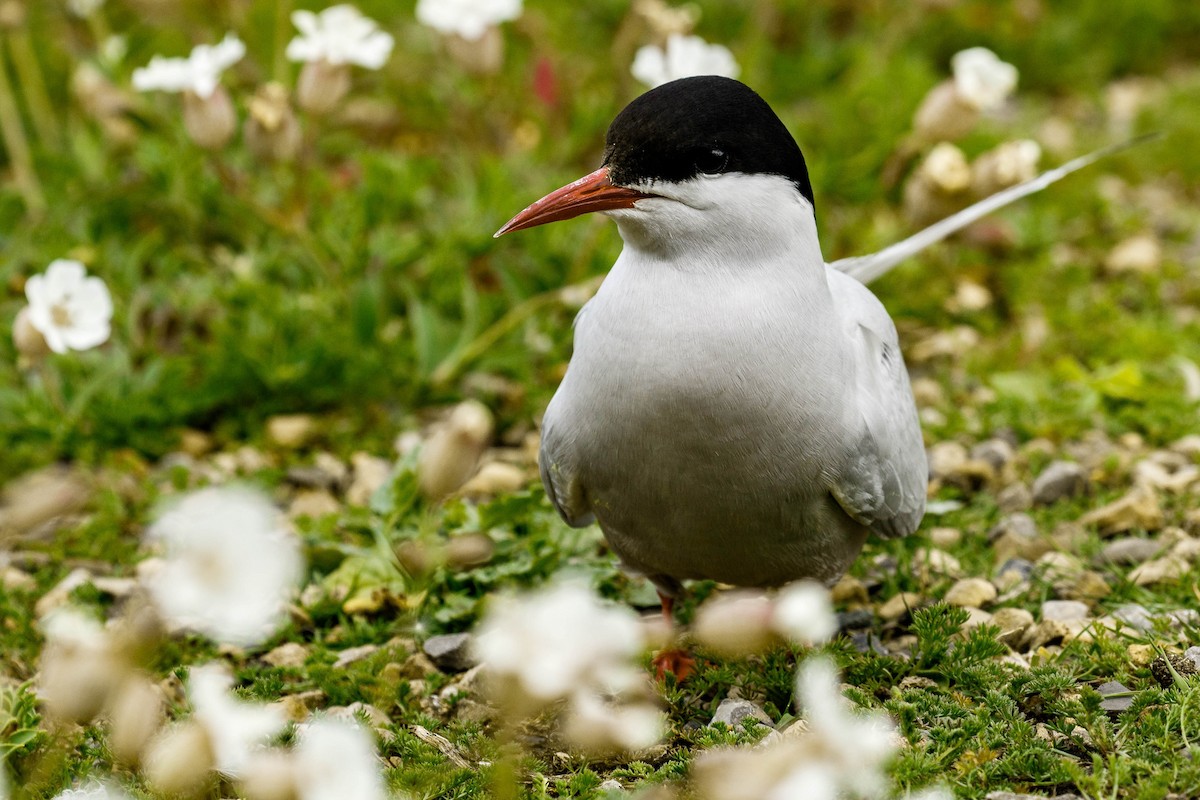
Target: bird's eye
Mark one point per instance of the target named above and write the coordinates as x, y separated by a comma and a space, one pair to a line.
712, 162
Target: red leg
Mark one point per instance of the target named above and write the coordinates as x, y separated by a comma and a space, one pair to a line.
674, 660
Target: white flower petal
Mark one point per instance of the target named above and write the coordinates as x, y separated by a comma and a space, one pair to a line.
803, 613
340, 35
469, 19
982, 79
235, 728
63, 277
684, 57
337, 760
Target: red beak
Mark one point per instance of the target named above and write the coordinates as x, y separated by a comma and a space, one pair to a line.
594, 192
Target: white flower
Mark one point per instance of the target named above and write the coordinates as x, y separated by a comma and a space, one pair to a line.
339, 35
90, 791
803, 613
469, 19
229, 568
84, 8
198, 73
684, 57
982, 79
69, 309
79, 668
598, 725
810, 781
557, 639
336, 759
235, 728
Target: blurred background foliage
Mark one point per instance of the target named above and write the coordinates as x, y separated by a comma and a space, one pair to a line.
357, 281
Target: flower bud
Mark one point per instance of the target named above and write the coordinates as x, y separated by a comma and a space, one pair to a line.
452, 453
482, 56
210, 121
179, 761
79, 670
12, 15
939, 186
322, 86
272, 130
136, 713
270, 775
734, 624
469, 550
944, 115
28, 339
803, 613
1004, 166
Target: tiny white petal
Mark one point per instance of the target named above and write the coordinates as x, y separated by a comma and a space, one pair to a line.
683, 57
336, 759
982, 79
469, 19
235, 727
340, 35
70, 310
803, 613
198, 73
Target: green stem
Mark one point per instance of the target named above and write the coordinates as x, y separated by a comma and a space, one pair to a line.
283, 10
29, 73
13, 133
455, 362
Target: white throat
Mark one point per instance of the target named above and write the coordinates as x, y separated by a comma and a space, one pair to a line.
721, 222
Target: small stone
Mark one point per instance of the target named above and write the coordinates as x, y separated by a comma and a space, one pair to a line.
61, 593
1188, 446
417, 666
313, 503
1138, 509
291, 655
1167, 569
918, 682
946, 458
311, 477
1064, 610
1013, 498
1135, 616
297, 707
945, 537
376, 717
1141, 655
611, 785
898, 606
370, 472
971, 592
38, 497
494, 478
849, 589
1018, 535
1052, 631
291, 431
1013, 624
1193, 654
931, 562
1060, 567
975, 618
1141, 253
119, 588
451, 652
1058, 481
734, 712
1128, 550
996, 452
354, 654
1111, 704
859, 618
1088, 586
17, 580
195, 443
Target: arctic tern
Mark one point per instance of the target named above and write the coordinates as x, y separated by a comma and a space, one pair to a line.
736, 408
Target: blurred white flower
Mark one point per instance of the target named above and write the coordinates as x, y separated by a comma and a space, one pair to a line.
469, 19
809, 781
336, 759
89, 791
236, 729
683, 57
559, 638
340, 35
803, 613
230, 565
198, 73
1005, 165
79, 669
982, 79
84, 8
600, 726
735, 623
69, 309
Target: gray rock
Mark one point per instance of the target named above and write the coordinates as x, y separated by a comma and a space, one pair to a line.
611, 785
1128, 550
1060, 480
1014, 497
451, 652
1193, 654
1021, 566
1000, 795
1110, 703
859, 618
312, 478
1135, 616
1064, 610
734, 712
353, 654
996, 452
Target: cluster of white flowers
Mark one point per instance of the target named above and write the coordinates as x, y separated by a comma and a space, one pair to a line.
470, 19
90, 791
982, 79
744, 622
67, 311
236, 729
339, 35
230, 565
682, 57
80, 667
562, 642
199, 73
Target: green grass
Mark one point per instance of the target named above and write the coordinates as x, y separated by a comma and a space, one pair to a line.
355, 284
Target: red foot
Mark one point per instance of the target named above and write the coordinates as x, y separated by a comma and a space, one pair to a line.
675, 661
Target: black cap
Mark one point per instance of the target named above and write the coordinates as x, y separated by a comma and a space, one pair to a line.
704, 124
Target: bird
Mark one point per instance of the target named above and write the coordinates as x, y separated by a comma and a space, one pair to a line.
736, 408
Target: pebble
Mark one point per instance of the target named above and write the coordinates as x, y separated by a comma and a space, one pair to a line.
1193, 654
1064, 610
1088, 586
1114, 705
946, 458
971, 593
61, 593
290, 655
1135, 616
352, 655
291, 431
734, 712
313, 503
1141, 655
311, 477
370, 472
1013, 624
17, 580
1014, 497
494, 478
1141, 253
1168, 569
945, 537
849, 590
1051, 631
1128, 550
975, 618
297, 707
1139, 508
611, 785
898, 605
859, 618
994, 451
1018, 535
1059, 481
451, 652
38, 497
376, 718
932, 561
1000, 795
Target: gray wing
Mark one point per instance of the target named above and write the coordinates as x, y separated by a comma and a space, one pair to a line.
868, 268
557, 463
882, 483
